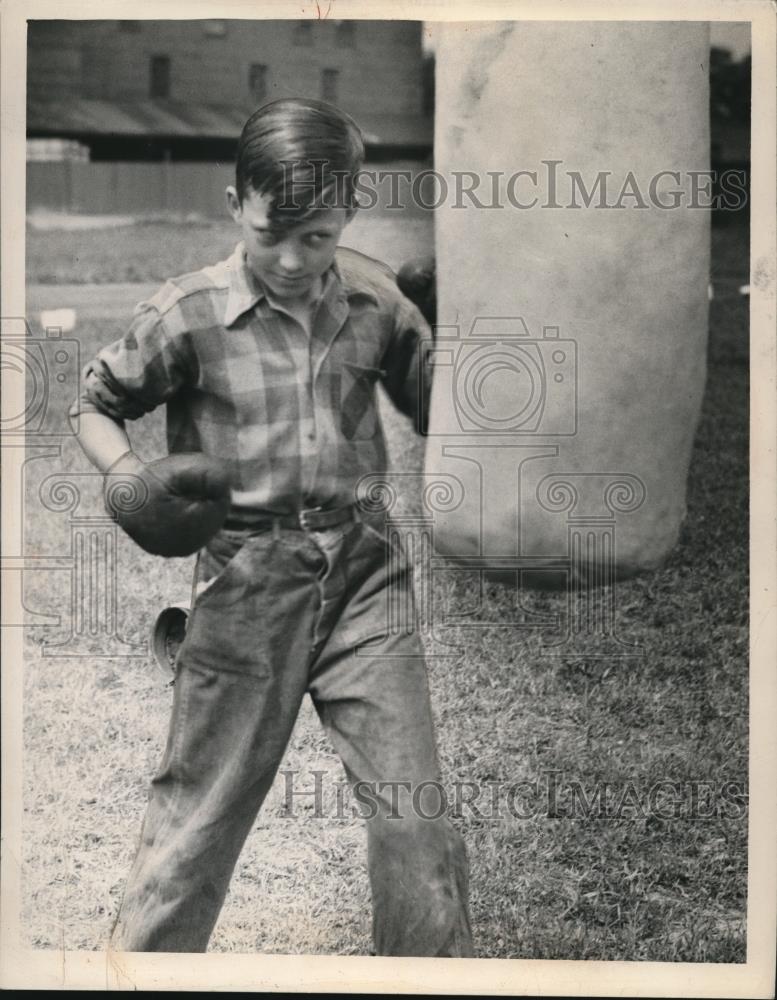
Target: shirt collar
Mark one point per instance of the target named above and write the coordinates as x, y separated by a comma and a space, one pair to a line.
245, 290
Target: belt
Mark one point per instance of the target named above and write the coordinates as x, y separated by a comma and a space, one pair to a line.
311, 519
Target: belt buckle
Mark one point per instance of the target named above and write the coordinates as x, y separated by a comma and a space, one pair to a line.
303, 515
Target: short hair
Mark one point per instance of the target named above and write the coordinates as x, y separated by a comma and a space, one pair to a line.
304, 154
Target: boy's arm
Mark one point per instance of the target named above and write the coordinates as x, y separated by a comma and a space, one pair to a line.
103, 440
125, 380
170, 506
408, 378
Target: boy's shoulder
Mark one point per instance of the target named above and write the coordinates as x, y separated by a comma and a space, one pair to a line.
206, 291
366, 275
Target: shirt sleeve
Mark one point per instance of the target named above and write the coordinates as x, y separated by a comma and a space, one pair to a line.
135, 374
408, 378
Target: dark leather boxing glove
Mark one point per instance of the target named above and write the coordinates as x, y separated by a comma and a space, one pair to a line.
416, 280
171, 506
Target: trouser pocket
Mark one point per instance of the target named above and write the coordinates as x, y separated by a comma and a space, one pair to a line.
228, 625
217, 563
382, 603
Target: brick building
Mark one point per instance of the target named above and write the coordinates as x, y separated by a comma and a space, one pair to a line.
181, 90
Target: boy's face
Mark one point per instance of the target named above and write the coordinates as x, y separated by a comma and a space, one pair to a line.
288, 262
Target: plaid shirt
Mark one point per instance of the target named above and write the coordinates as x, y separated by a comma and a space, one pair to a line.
295, 415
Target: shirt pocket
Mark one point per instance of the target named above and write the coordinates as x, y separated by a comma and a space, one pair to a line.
358, 408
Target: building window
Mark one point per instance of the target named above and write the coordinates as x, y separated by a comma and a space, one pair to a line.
346, 34
130, 27
329, 84
257, 81
303, 33
214, 29
160, 76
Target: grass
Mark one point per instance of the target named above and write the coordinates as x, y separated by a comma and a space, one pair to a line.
631, 886
154, 250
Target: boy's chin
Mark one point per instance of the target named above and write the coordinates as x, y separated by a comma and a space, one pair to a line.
288, 288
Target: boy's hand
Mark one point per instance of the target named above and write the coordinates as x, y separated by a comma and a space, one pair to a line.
171, 506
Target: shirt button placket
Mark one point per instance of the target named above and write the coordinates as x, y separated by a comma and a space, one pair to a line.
311, 421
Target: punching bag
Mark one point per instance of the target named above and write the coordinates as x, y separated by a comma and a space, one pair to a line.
572, 277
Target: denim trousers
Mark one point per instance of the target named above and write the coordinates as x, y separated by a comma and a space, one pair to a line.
280, 613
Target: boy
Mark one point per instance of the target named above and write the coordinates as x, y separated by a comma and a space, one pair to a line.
268, 363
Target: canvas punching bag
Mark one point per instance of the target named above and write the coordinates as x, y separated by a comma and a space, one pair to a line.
572, 293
